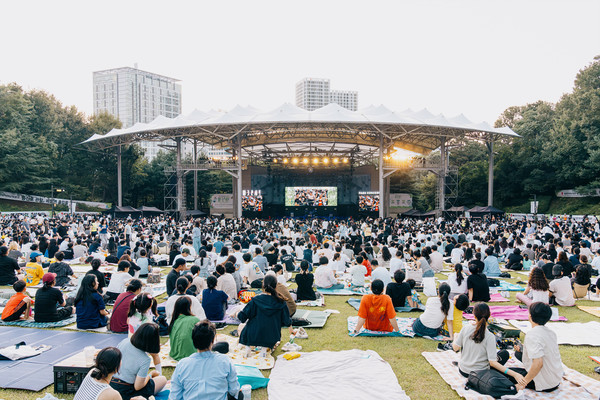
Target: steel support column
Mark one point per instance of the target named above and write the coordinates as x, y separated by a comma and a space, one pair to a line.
238, 194
195, 175
119, 179
381, 181
442, 175
490, 147
180, 199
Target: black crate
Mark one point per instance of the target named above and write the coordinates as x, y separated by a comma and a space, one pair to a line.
68, 379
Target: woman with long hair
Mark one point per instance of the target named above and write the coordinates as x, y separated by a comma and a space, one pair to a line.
436, 310
537, 289
214, 301
457, 281
264, 316
89, 305
180, 329
478, 347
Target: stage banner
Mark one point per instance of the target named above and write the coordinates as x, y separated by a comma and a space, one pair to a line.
222, 201
47, 200
401, 200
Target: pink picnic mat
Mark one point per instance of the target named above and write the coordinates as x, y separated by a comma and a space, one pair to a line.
510, 312
497, 298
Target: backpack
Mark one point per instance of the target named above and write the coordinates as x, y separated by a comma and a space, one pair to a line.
491, 382
493, 282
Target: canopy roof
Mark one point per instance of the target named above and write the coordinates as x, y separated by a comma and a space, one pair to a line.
332, 127
149, 209
485, 210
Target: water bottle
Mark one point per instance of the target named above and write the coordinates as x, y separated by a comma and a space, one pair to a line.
247, 392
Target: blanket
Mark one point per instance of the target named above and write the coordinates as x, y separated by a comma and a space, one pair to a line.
317, 318
574, 333
404, 325
103, 329
510, 287
343, 292
591, 310
356, 304
575, 386
32, 324
497, 298
334, 375
319, 302
509, 312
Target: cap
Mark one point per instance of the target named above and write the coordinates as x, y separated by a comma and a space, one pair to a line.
34, 255
49, 277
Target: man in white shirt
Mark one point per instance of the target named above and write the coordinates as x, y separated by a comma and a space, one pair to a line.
226, 283
252, 274
436, 259
456, 255
560, 288
397, 263
324, 277
381, 273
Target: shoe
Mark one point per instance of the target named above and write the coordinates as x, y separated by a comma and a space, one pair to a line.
235, 333
291, 347
597, 370
301, 333
444, 346
220, 325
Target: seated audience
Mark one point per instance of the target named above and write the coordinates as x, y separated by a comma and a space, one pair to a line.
8, 268
305, 280
477, 285
118, 281
18, 306
400, 291
182, 286
560, 288
47, 302
89, 305
214, 301
180, 329
537, 288
99, 275
376, 311
118, 319
436, 311
94, 385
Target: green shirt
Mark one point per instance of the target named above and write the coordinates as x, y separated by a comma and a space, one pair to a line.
181, 337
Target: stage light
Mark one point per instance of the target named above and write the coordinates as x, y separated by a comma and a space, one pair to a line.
285, 160
325, 160
305, 160
295, 160
345, 161
336, 160
315, 160
275, 160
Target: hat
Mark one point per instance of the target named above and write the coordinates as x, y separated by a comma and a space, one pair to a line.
49, 277
557, 270
35, 255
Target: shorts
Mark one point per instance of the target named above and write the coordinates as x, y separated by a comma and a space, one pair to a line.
127, 390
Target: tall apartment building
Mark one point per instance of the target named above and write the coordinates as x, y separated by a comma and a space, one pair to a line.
133, 96
313, 93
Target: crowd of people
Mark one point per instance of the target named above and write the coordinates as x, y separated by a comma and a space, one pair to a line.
213, 260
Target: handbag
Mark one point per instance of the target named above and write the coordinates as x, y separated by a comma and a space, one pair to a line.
491, 382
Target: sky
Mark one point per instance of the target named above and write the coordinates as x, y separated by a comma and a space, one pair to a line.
472, 57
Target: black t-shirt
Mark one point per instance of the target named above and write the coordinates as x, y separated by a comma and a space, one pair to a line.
568, 268
305, 290
479, 284
46, 303
547, 268
480, 265
99, 276
398, 292
288, 261
172, 281
271, 258
515, 259
8, 266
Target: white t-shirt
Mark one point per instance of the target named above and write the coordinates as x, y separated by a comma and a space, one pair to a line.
539, 296
358, 273
226, 283
396, 264
541, 342
383, 274
433, 317
475, 356
456, 255
454, 286
324, 277
117, 282
561, 289
197, 309
437, 261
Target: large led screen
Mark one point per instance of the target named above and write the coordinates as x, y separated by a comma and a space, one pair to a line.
311, 196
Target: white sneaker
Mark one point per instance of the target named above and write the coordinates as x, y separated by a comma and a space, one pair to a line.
301, 333
291, 347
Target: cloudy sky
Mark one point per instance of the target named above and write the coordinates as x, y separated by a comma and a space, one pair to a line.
473, 57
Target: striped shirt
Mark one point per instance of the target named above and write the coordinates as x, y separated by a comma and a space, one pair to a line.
90, 389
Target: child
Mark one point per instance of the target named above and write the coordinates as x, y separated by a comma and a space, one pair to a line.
453, 322
413, 293
142, 310
33, 270
19, 305
560, 287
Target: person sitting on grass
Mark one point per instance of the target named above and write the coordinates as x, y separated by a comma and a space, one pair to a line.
118, 282
214, 301
400, 291
33, 269
133, 378
99, 275
47, 302
540, 354
64, 273
436, 311
376, 311
19, 305
181, 327
358, 272
477, 284
95, 385
324, 276
305, 280
142, 310
264, 316
453, 321
182, 285
91, 312
537, 288
118, 319
560, 288
205, 374
478, 347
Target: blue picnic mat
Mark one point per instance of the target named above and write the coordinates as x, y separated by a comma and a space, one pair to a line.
343, 292
36, 373
32, 324
404, 324
510, 287
356, 304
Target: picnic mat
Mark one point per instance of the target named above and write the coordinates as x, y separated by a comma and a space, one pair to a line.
343, 292
356, 304
32, 324
509, 287
497, 298
510, 312
319, 302
36, 373
574, 386
317, 318
574, 333
324, 375
591, 310
232, 310
404, 325
595, 358
103, 329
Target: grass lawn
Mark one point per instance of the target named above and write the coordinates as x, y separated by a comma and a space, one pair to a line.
415, 375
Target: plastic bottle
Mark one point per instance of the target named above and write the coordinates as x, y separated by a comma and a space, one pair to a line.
247, 392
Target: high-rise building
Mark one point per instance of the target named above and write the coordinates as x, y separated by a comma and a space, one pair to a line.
345, 98
133, 96
313, 93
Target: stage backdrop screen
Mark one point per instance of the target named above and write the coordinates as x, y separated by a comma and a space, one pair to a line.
368, 201
312, 196
252, 200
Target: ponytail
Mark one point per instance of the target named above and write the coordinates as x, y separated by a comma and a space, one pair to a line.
444, 291
482, 313
459, 276
269, 285
108, 361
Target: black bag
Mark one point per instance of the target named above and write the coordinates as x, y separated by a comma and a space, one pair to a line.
300, 322
493, 282
505, 275
163, 327
491, 382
